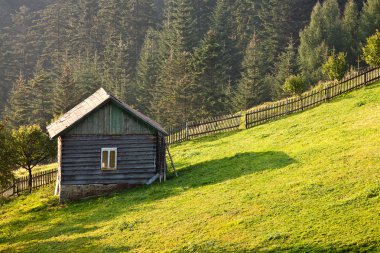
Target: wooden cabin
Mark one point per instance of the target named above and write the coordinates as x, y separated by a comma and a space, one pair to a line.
103, 145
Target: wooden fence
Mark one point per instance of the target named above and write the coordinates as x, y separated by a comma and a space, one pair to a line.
309, 99
205, 127
265, 113
20, 185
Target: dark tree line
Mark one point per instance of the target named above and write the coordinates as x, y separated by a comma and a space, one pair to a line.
175, 60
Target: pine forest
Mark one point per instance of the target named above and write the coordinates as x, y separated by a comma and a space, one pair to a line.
173, 60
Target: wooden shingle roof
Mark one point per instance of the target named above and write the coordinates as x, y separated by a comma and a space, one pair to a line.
93, 102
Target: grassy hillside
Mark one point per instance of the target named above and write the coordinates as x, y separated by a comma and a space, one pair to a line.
310, 182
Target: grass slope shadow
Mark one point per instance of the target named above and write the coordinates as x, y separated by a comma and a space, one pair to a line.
205, 173
217, 171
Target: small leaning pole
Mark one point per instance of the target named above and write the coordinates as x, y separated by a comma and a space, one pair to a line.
171, 159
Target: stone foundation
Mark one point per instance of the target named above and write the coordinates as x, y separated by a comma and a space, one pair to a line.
75, 192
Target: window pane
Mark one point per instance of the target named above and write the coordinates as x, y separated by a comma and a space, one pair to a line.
112, 159
104, 159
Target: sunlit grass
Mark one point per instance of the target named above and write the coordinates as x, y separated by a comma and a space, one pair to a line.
23, 172
309, 182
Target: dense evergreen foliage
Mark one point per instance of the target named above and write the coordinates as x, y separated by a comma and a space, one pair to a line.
175, 60
7, 156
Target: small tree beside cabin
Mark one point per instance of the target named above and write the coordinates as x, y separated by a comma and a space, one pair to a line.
31, 147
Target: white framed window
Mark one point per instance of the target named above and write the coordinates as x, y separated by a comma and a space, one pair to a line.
108, 158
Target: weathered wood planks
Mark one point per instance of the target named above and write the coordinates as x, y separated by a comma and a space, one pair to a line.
81, 158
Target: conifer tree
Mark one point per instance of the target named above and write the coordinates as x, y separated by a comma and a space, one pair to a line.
111, 20
19, 110
322, 35
287, 65
216, 63
139, 16
7, 156
179, 27
369, 19
251, 89
350, 28
22, 46
210, 74
202, 12
147, 72
116, 78
176, 44
65, 94
60, 38
222, 26
7, 68
41, 97
88, 25
173, 103
87, 77
246, 20
273, 33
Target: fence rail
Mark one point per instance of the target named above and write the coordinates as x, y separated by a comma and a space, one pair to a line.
20, 185
309, 99
265, 113
205, 127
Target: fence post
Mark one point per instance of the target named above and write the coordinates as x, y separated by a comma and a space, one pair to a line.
246, 120
14, 187
187, 131
287, 106
365, 78
16, 184
327, 92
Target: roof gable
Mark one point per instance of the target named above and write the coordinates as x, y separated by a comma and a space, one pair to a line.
89, 105
110, 119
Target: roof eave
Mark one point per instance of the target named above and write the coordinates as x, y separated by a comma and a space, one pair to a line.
60, 133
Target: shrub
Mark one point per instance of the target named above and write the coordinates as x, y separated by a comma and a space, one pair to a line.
371, 51
335, 67
295, 85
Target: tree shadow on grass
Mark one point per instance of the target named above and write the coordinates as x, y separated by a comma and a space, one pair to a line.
216, 171
84, 216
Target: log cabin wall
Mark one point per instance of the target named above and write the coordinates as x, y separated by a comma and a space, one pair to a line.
81, 159
108, 127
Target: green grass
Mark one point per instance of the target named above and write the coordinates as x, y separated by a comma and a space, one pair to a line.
23, 172
309, 182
